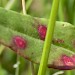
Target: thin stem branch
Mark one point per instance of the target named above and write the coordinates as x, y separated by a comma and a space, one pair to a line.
9, 4
32, 68
61, 11
69, 72
48, 40
17, 63
28, 4
24, 7
1, 48
74, 15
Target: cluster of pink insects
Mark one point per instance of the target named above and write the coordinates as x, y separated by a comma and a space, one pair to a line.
22, 43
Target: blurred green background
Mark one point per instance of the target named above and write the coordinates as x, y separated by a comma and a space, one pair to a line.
36, 8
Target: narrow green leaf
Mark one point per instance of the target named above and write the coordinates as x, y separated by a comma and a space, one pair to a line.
63, 35
34, 47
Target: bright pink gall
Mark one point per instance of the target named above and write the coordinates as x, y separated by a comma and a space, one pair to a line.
20, 42
42, 31
67, 60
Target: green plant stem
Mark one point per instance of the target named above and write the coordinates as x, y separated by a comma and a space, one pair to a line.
1, 48
32, 68
24, 7
9, 4
74, 15
17, 68
68, 72
61, 11
28, 4
48, 40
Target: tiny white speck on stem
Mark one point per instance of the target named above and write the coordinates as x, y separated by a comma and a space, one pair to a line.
16, 65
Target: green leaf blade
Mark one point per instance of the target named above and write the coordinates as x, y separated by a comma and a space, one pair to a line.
34, 47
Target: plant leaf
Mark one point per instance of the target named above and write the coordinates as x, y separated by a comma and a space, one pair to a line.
34, 47
63, 35
14, 24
